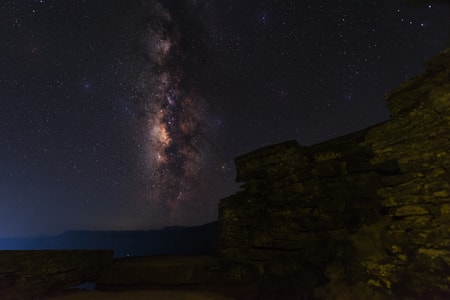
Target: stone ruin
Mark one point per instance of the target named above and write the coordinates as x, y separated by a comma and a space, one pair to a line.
362, 216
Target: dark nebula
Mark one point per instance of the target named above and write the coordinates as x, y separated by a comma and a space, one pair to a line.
176, 90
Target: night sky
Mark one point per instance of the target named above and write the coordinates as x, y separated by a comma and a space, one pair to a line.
123, 115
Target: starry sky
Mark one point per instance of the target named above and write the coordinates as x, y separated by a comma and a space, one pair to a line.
124, 115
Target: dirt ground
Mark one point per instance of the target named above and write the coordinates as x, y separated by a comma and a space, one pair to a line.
139, 295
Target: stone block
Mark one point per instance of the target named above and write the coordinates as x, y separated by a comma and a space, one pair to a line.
411, 222
441, 194
438, 259
394, 173
409, 210
402, 200
445, 209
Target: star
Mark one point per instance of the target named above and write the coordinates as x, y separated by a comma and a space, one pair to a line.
128, 114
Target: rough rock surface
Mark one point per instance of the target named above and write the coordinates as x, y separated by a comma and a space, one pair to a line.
31, 274
365, 214
141, 295
194, 273
159, 271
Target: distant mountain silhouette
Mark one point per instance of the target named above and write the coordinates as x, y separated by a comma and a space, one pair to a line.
174, 240
174, 228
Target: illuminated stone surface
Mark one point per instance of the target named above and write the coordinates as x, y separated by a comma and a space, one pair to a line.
365, 214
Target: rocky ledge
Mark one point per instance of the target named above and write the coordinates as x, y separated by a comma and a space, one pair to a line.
363, 216
32, 274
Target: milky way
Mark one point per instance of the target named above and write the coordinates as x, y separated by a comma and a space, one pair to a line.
126, 115
174, 89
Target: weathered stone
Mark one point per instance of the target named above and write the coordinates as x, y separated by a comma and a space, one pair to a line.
393, 236
441, 194
395, 180
382, 273
402, 200
148, 271
378, 198
31, 274
411, 222
278, 159
445, 209
408, 210
437, 259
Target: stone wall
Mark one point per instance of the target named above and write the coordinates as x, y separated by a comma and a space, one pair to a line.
31, 274
366, 213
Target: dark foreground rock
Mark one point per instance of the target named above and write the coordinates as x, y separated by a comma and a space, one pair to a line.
181, 273
31, 274
363, 216
159, 271
136, 295
53, 274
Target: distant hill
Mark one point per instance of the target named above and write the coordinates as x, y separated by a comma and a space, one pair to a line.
175, 240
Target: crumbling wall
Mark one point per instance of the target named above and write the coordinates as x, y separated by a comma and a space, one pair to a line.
367, 213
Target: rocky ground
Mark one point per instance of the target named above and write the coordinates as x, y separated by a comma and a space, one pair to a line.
137, 295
